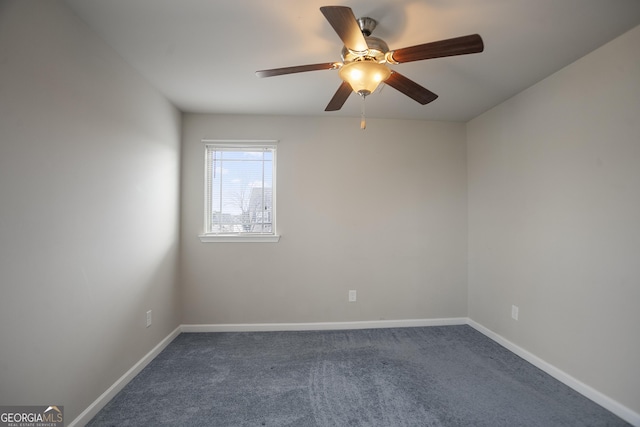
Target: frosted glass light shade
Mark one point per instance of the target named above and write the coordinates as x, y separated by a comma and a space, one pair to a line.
364, 76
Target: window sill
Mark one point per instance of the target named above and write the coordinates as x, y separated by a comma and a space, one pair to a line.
232, 238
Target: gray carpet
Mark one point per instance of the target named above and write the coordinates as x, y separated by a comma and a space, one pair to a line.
431, 376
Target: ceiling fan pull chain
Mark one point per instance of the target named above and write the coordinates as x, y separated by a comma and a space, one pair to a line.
363, 120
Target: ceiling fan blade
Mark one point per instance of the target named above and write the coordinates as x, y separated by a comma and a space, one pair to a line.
340, 97
297, 69
410, 88
450, 47
345, 24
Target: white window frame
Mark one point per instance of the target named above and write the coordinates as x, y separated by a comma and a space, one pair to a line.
208, 237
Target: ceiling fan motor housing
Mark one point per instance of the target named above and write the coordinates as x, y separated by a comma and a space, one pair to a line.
376, 52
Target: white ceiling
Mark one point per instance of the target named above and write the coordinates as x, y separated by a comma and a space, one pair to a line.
202, 54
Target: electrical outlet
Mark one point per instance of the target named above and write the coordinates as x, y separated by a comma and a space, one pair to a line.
352, 296
148, 318
514, 312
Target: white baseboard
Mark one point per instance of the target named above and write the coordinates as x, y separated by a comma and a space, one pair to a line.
324, 326
605, 401
105, 397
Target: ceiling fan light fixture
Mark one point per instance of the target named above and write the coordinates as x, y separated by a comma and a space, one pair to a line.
364, 76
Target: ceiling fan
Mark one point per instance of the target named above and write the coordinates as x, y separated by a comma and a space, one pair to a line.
365, 58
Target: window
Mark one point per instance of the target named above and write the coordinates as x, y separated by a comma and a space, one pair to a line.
240, 183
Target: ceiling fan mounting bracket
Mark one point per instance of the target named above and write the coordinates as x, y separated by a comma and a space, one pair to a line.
367, 25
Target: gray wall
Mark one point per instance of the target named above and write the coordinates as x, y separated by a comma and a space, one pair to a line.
554, 210
89, 168
381, 211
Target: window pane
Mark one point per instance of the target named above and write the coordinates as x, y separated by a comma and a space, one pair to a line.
240, 190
